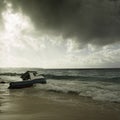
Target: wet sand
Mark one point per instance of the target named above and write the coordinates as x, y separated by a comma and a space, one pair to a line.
25, 104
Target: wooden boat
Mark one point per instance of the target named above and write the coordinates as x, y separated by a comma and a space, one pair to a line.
29, 78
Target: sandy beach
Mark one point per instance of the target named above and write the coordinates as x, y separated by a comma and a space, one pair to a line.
27, 104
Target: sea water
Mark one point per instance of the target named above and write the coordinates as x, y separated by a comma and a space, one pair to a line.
98, 84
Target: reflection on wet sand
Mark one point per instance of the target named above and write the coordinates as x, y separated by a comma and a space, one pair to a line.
31, 103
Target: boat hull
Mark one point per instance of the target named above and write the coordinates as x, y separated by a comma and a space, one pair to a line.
41, 81
20, 84
26, 83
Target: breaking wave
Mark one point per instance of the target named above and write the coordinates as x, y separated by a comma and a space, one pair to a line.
101, 91
103, 85
71, 77
10, 74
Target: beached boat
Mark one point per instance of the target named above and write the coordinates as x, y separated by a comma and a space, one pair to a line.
29, 78
20, 84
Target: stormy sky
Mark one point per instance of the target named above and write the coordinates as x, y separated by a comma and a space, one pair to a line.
60, 33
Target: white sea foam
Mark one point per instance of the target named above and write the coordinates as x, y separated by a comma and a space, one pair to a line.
10, 78
96, 90
99, 84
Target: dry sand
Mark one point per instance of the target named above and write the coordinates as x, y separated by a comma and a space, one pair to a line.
22, 105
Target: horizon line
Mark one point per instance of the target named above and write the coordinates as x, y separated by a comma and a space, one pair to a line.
64, 67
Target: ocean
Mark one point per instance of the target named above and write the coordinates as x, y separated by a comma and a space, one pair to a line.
97, 84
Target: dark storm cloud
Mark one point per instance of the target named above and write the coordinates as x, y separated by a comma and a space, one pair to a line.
2, 6
89, 21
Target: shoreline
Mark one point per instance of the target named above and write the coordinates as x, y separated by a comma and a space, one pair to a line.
29, 104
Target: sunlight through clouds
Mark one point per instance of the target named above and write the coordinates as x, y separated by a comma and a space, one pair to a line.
22, 44
14, 26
